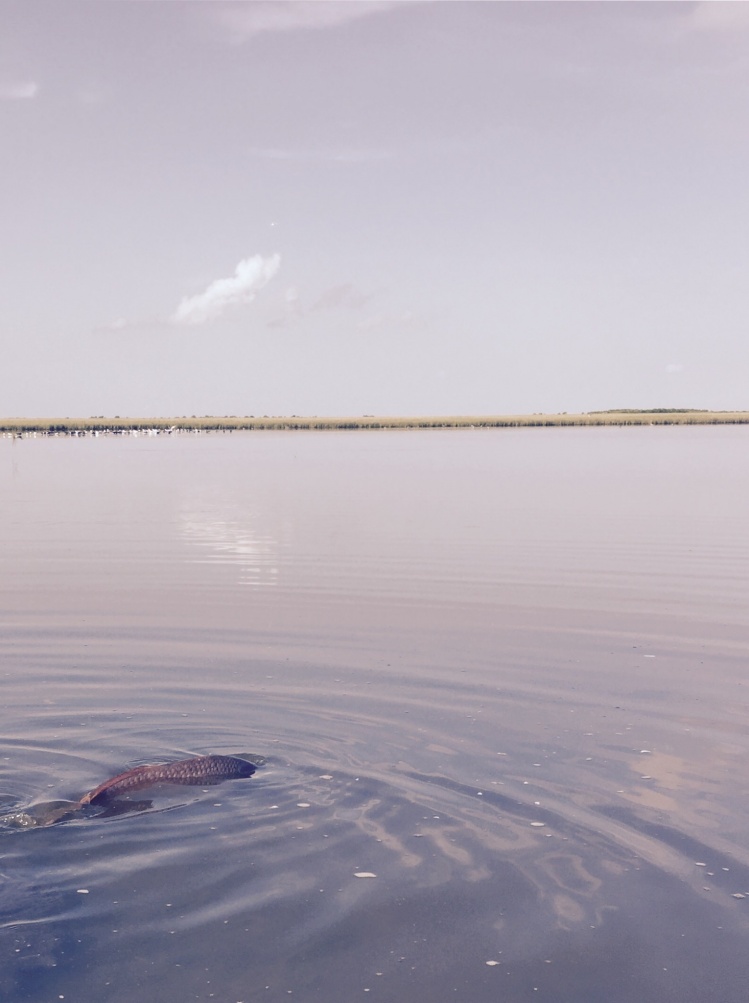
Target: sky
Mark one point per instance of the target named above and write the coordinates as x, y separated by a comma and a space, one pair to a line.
391, 208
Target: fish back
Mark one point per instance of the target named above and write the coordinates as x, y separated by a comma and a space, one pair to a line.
199, 771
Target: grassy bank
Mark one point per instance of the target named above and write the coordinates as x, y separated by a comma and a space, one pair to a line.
210, 423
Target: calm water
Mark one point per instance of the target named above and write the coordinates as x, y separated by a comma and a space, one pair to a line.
502, 671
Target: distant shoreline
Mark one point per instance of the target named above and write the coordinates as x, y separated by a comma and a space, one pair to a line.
211, 423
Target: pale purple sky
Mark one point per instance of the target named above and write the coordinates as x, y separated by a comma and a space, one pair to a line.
381, 208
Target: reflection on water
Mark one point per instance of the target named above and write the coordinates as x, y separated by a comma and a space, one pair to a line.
495, 682
229, 534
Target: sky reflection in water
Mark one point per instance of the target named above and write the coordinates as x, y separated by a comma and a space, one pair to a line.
502, 671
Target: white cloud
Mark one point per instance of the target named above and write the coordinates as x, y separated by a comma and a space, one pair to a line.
250, 275
19, 90
247, 20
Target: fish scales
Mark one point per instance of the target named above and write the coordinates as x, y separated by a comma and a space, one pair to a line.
198, 771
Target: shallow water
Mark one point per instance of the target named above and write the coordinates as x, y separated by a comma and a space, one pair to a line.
503, 671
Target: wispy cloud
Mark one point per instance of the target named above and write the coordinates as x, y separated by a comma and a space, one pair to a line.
344, 295
250, 275
92, 95
335, 155
717, 15
18, 90
392, 321
245, 21
341, 297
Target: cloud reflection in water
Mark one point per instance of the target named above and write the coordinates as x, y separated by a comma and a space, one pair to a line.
228, 534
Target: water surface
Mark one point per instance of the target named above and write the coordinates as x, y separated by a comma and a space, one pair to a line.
502, 671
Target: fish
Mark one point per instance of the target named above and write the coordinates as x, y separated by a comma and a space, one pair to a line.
200, 771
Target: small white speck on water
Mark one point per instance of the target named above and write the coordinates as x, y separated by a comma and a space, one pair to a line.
645, 752
326, 776
538, 825
646, 778
699, 863
82, 891
480, 793
364, 874
492, 963
303, 804
739, 895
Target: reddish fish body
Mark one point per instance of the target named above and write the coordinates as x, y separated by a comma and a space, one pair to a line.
201, 771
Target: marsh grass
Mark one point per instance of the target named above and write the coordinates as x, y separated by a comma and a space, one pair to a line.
211, 423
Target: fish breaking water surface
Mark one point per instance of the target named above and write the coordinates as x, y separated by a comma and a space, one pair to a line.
199, 771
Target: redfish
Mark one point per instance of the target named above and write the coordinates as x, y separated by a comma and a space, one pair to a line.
201, 771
